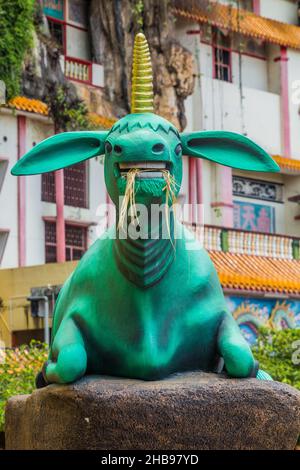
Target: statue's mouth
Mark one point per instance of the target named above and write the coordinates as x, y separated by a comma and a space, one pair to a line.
148, 169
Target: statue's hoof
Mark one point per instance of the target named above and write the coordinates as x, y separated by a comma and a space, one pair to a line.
262, 375
40, 381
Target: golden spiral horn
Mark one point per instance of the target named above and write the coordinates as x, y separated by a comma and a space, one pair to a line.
142, 79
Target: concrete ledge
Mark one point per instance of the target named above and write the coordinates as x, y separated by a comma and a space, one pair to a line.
185, 411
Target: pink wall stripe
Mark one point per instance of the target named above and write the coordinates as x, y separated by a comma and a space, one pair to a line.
192, 189
21, 132
224, 191
60, 218
285, 113
256, 7
226, 196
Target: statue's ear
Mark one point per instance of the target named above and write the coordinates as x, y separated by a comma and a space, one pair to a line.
228, 148
59, 151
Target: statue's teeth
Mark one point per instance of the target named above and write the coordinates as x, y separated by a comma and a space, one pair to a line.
141, 165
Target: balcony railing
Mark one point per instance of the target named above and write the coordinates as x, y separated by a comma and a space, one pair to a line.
78, 70
244, 242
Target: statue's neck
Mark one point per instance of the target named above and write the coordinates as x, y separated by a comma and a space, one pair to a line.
144, 261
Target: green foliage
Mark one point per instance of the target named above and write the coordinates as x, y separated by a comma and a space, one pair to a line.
137, 13
68, 112
278, 352
18, 368
16, 28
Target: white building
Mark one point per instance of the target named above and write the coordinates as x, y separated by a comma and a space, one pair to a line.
247, 67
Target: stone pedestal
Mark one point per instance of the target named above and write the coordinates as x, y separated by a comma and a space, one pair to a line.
186, 411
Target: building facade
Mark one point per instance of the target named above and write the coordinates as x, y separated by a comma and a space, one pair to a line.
247, 62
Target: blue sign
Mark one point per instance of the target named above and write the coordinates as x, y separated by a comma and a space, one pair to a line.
254, 217
54, 8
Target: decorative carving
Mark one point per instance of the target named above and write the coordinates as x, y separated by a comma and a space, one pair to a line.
257, 189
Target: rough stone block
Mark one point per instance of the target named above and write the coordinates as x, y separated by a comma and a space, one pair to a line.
186, 411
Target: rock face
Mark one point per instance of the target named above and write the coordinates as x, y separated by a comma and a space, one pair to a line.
113, 26
187, 411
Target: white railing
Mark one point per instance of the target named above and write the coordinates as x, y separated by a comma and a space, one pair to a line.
245, 242
208, 235
260, 244
78, 70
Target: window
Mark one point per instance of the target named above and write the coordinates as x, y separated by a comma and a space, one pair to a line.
222, 69
77, 12
57, 33
3, 240
221, 56
75, 182
48, 187
76, 242
3, 169
69, 28
76, 185
50, 242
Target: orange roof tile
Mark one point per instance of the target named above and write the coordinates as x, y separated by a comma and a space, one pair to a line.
240, 21
35, 106
26, 104
257, 273
101, 121
288, 164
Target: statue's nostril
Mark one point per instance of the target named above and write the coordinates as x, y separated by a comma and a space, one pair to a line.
158, 148
118, 149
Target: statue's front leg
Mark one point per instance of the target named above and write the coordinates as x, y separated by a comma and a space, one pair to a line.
68, 359
234, 349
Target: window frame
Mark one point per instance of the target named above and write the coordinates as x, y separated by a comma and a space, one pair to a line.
67, 58
5, 233
83, 248
49, 196
216, 64
4, 162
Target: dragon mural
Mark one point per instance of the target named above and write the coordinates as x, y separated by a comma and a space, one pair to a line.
251, 314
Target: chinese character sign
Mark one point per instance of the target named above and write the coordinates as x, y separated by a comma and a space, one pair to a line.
254, 217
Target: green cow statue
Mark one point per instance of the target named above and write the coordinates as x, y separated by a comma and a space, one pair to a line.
144, 307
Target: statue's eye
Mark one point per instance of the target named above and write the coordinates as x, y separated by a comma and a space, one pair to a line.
108, 147
178, 149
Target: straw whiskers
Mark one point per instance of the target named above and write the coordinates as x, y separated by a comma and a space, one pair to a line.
128, 206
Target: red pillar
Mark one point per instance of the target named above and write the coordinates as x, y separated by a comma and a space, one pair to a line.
284, 94
256, 7
21, 124
60, 218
